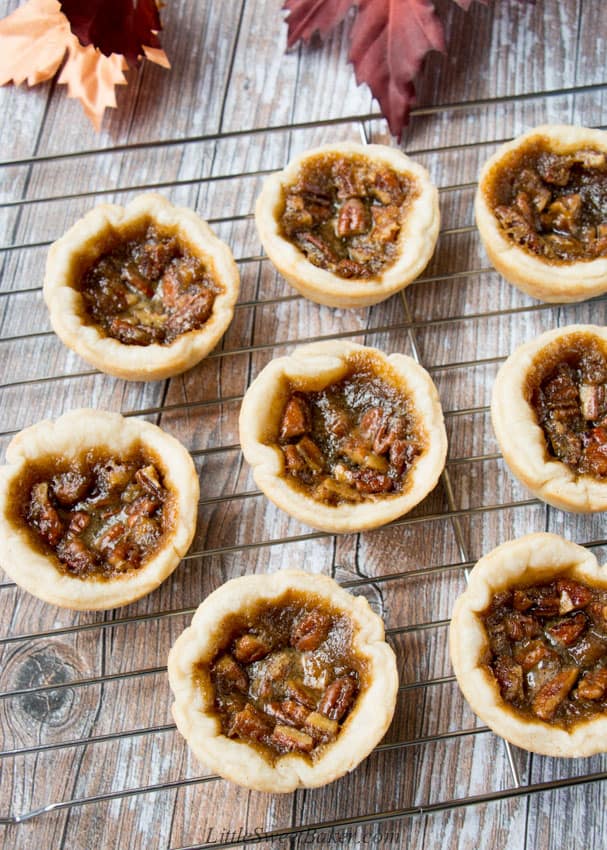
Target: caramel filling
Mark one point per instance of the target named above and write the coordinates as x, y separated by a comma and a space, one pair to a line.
554, 205
101, 516
148, 289
567, 388
287, 676
548, 650
345, 214
352, 441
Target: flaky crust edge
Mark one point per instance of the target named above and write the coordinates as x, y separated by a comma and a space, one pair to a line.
236, 760
135, 362
537, 558
320, 364
522, 440
69, 435
417, 237
558, 282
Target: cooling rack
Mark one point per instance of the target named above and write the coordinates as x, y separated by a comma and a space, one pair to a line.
87, 733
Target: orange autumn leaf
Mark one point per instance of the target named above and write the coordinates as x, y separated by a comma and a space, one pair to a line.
90, 76
34, 39
33, 43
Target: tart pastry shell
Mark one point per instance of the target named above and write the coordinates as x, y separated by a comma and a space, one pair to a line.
314, 367
417, 238
538, 277
69, 437
533, 559
236, 760
85, 241
522, 439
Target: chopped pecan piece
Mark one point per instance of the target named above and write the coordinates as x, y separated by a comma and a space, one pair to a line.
144, 506
552, 694
573, 595
594, 456
288, 711
78, 523
593, 685
144, 532
531, 654
70, 487
568, 630
321, 728
250, 723
519, 626
593, 401
76, 556
295, 418
589, 649
43, 514
289, 738
353, 218
250, 647
358, 452
147, 477
230, 673
192, 311
298, 691
310, 631
293, 459
311, 454
338, 698
510, 678
334, 491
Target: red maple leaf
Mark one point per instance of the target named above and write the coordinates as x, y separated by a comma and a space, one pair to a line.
389, 41
115, 26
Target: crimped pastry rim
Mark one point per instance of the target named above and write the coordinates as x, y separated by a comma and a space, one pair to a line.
320, 364
534, 558
236, 760
522, 440
70, 435
135, 362
547, 281
417, 237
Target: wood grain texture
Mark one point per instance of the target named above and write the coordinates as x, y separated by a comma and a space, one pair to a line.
84, 700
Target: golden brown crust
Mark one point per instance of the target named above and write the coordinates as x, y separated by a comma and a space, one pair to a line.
193, 708
314, 367
79, 247
547, 281
417, 237
522, 439
532, 559
70, 436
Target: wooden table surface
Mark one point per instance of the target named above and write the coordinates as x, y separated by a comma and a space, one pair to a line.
84, 702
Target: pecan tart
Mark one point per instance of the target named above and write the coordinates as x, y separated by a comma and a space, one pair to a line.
549, 413
528, 642
348, 225
142, 292
342, 436
95, 510
282, 681
541, 210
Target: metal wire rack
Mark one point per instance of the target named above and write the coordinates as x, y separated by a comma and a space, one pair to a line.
405, 323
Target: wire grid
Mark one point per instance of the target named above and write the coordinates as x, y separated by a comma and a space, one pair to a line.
452, 514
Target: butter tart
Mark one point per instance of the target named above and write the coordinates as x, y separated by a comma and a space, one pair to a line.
95, 510
141, 292
342, 436
347, 224
528, 643
549, 413
541, 210
282, 681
